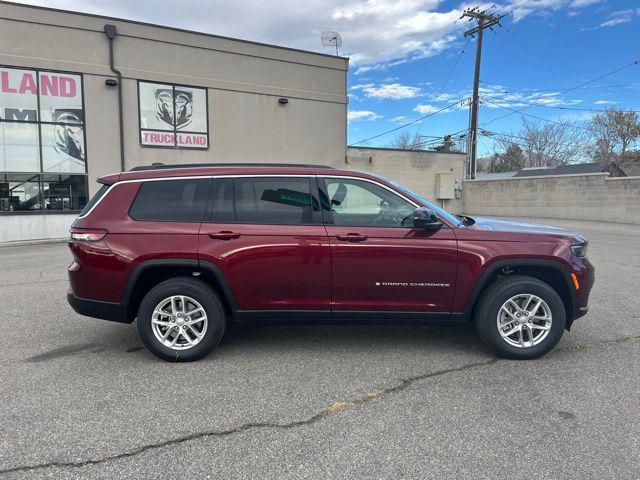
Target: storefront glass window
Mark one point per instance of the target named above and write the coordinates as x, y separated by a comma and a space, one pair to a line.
41, 130
19, 193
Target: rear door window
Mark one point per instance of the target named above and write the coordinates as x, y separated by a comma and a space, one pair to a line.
180, 200
275, 200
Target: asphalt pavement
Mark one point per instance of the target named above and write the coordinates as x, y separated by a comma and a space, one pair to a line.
82, 398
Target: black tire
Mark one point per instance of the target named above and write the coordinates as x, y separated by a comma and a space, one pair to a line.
203, 294
493, 298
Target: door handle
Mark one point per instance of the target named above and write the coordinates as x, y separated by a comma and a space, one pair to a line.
224, 235
352, 237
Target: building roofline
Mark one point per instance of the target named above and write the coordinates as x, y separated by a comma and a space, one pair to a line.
175, 29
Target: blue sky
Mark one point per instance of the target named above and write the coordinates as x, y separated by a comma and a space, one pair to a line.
401, 52
534, 58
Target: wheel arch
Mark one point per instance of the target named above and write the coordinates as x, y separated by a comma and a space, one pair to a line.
553, 272
150, 273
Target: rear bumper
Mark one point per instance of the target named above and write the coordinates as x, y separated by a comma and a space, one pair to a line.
115, 312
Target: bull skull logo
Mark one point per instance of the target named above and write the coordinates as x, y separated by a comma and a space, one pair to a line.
182, 109
68, 136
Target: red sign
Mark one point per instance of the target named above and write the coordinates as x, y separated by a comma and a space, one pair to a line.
51, 84
169, 139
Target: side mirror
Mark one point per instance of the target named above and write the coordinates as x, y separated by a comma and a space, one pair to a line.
425, 218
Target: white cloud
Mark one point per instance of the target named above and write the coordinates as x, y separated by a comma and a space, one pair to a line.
355, 115
605, 102
616, 18
425, 109
583, 3
399, 119
393, 91
377, 34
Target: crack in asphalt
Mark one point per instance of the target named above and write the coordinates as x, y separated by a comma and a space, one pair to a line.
328, 411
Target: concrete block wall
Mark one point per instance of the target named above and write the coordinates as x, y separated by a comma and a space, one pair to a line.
595, 197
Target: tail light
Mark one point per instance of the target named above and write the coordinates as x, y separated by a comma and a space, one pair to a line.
88, 234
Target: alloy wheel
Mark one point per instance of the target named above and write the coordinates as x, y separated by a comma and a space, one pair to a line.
524, 320
179, 322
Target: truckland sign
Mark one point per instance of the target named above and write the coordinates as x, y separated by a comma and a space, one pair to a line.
173, 116
52, 100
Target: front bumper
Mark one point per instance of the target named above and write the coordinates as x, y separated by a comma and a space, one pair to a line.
114, 312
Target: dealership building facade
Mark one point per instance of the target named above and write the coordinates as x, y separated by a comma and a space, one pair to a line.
83, 95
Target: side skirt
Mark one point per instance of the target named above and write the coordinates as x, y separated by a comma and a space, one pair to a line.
326, 317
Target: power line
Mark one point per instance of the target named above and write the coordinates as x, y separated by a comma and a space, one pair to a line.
594, 110
636, 62
534, 64
555, 90
546, 55
406, 124
550, 56
533, 116
448, 76
489, 133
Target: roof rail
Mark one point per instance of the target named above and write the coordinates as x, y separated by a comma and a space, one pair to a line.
160, 166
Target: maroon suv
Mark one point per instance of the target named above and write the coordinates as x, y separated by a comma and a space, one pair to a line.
189, 249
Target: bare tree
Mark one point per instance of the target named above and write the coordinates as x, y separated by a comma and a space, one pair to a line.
552, 143
615, 132
405, 141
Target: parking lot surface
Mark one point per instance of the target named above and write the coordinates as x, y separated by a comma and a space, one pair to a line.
82, 398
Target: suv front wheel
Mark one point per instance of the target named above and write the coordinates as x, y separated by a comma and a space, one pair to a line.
181, 319
520, 317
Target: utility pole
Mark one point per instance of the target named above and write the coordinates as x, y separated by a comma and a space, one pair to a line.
484, 20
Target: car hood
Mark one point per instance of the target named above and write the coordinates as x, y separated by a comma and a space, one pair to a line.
519, 227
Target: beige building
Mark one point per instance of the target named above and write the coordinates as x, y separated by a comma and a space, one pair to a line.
83, 95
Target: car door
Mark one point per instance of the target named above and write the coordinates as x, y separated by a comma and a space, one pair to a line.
266, 236
379, 261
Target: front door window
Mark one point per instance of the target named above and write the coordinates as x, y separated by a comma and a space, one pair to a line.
360, 203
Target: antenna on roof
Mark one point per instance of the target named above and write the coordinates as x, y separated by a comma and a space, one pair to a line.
332, 39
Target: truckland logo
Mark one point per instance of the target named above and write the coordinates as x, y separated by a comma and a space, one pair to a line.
172, 116
165, 107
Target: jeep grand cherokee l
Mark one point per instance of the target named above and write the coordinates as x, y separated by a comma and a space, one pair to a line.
188, 250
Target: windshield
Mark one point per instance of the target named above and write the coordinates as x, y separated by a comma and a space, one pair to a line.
439, 211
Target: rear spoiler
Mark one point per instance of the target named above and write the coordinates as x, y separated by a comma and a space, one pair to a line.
108, 179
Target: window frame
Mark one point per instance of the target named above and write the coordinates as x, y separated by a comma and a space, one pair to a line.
175, 130
313, 189
39, 122
327, 214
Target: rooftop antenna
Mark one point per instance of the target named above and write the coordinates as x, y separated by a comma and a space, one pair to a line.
331, 39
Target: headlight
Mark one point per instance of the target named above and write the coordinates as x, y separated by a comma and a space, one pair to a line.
580, 250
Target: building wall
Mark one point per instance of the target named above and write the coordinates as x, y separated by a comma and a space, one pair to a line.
14, 228
414, 169
244, 81
594, 197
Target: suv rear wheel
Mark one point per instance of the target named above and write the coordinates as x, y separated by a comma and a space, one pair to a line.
181, 319
520, 317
